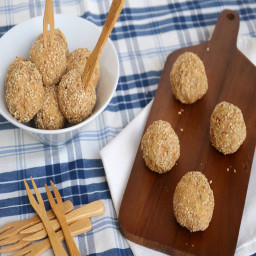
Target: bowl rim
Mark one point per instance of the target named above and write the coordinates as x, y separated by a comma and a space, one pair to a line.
71, 128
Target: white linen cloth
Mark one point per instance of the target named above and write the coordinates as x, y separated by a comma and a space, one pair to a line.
118, 157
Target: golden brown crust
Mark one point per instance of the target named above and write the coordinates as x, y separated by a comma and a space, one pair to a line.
49, 116
24, 92
193, 202
160, 146
50, 61
188, 78
77, 60
75, 102
227, 128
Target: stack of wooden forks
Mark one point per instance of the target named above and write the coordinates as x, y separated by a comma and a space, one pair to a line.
19, 235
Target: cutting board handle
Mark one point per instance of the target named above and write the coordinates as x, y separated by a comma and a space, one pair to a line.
226, 30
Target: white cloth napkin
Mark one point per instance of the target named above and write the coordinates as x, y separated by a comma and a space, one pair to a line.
118, 157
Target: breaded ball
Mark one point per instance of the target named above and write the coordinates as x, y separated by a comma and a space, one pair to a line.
76, 101
160, 146
24, 92
77, 60
49, 116
50, 61
188, 78
227, 128
193, 202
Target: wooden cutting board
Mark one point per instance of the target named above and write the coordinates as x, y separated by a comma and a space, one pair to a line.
146, 214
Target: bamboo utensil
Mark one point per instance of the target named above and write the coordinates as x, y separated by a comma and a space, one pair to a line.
48, 21
92, 209
37, 232
40, 209
15, 227
16, 243
37, 249
114, 12
12, 239
59, 212
19, 234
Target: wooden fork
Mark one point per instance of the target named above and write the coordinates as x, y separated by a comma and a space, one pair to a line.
89, 210
12, 239
14, 243
58, 210
37, 232
15, 227
40, 209
114, 12
48, 21
37, 249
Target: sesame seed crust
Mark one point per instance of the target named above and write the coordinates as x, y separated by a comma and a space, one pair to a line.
24, 92
76, 102
77, 60
188, 78
227, 128
49, 116
160, 146
50, 61
193, 202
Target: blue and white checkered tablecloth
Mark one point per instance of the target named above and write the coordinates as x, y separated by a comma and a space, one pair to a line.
146, 32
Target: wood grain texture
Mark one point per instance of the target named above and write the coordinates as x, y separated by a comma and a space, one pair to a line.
39, 207
113, 14
87, 211
36, 249
48, 21
16, 227
58, 209
146, 214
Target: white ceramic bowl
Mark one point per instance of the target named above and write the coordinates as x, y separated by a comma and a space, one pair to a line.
79, 33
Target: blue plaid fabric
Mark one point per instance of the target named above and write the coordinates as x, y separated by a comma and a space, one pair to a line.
146, 32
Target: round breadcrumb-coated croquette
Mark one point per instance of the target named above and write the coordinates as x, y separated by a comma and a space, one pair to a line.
76, 101
193, 202
24, 92
49, 116
160, 146
188, 78
50, 61
77, 60
227, 128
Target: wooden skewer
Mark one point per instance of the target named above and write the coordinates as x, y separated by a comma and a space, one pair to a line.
59, 212
37, 249
114, 12
40, 209
93, 209
15, 227
48, 21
